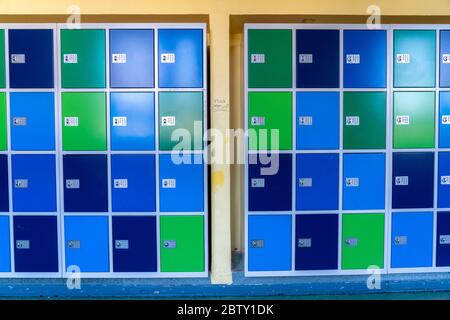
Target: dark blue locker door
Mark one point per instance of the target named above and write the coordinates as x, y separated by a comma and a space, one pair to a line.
134, 241
133, 183
316, 242
36, 244
85, 183
31, 58
412, 180
5, 248
444, 180
132, 58
444, 119
4, 195
443, 239
270, 186
365, 53
317, 58
445, 58
34, 183
317, 182
180, 58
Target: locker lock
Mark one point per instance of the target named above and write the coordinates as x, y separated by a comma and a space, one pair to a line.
257, 244
351, 242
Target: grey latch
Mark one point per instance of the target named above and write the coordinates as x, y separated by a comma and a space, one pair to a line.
444, 239
170, 244
20, 121
122, 244
304, 243
74, 244
351, 242
23, 244
257, 244
401, 240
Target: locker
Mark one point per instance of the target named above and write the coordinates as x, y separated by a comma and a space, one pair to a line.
414, 58
181, 186
442, 239
133, 183
444, 119
317, 59
2, 60
134, 241
84, 121
363, 183
131, 58
3, 126
445, 59
85, 183
364, 120
412, 240
4, 194
317, 120
270, 58
269, 111
270, 186
180, 121
316, 243
412, 180
132, 121
31, 59
317, 183
180, 62
364, 59
414, 120
87, 243
34, 183
32, 121
83, 58
443, 182
182, 244
362, 241
5, 248
36, 244
269, 243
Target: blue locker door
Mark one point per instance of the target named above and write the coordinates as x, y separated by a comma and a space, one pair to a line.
32, 121
34, 183
131, 58
316, 242
180, 58
132, 121
317, 120
36, 244
444, 180
412, 240
134, 241
445, 59
317, 182
443, 239
364, 181
412, 180
85, 183
31, 58
181, 186
4, 193
86, 243
5, 249
317, 58
365, 53
133, 183
270, 186
269, 243
444, 120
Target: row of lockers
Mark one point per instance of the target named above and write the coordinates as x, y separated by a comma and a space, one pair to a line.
84, 121
87, 244
317, 120
365, 58
133, 183
84, 57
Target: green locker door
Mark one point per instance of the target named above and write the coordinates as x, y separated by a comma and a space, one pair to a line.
181, 112
362, 241
83, 58
267, 112
2, 59
3, 130
84, 121
364, 120
414, 58
414, 119
182, 244
269, 58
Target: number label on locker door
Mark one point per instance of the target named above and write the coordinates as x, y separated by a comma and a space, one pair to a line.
258, 121
352, 182
18, 58
71, 121
121, 183
304, 243
402, 181
446, 58
167, 57
21, 183
402, 120
305, 182
305, 58
71, 58
351, 242
352, 121
258, 183
401, 240
305, 121
169, 183
168, 121
119, 58
353, 59
444, 239
257, 244
258, 58
120, 121
72, 184
23, 244
445, 180
122, 244
20, 121
445, 119
74, 244
170, 244
403, 58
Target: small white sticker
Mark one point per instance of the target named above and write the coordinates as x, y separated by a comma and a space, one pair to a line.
18, 58
402, 181
122, 244
21, 183
445, 119
305, 121
403, 58
353, 59
352, 182
119, 121
258, 121
258, 183
402, 120
20, 121
305, 182
258, 58
167, 57
446, 58
119, 58
305, 58
445, 180
168, 121
71, 58
72, 184
169, 183
121, 183
23, 244
352, 121
71, 121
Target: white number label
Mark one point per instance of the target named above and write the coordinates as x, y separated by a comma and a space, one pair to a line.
305, 121
168, 121
352, 121
119, 58
353, 59
258, 58
401, 181
305, 182
71, 121
352, 182
21, 183
305, 58
169, 183
71, 58
18, 58
402, 120
258, 183
445, 180
403, 58
72, 184
258, 121
445, 119
120, 183
119, 121
167, 57
446, 58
